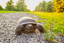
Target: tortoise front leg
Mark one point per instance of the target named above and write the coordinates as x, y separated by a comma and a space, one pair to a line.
19, 29
40, 28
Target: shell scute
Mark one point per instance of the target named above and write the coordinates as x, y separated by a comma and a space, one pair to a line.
26, 20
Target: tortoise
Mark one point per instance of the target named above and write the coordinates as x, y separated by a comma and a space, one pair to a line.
27, 25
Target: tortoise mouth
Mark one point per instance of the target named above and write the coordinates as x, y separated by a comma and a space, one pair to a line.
29, 31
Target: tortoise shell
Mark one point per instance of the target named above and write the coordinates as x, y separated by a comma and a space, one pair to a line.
26, 20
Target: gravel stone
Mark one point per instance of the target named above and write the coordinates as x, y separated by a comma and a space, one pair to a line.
8, 22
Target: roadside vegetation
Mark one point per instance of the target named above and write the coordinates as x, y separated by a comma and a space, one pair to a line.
11, 11
53, 23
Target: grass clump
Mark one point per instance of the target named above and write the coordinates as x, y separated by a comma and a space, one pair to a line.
50, 36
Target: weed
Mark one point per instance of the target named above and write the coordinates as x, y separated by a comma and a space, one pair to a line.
50, 36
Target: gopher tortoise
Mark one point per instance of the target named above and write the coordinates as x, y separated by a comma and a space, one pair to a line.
27, 25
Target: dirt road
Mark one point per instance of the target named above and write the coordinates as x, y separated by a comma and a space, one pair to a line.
8, 22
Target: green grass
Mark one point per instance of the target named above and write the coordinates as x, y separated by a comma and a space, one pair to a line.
1, 11
7, 11
52, 22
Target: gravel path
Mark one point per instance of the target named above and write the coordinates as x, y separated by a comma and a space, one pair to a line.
8, 22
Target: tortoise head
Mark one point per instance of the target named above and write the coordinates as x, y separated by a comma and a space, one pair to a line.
29, 28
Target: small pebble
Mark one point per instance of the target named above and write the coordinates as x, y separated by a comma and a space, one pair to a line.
1, 32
